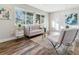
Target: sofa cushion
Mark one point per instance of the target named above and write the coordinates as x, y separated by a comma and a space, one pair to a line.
35, 32
34, 27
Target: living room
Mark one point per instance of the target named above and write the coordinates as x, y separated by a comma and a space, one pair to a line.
35, 29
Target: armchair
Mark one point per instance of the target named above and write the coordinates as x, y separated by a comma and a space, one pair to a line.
65, 39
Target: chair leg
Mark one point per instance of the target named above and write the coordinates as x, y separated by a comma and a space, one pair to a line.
54, 47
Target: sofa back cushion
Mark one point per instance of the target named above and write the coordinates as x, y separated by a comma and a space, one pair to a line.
34, 27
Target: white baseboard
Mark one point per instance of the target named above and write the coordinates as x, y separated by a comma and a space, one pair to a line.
7, 39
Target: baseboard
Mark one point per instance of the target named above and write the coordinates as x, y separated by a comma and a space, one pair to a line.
7, 39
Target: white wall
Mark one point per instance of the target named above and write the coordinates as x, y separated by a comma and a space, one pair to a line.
59, 16
7, 27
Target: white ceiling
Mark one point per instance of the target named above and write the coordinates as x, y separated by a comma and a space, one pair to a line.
54, 7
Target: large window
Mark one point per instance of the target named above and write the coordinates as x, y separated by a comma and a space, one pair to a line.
25, 17
39, 19
42, 19
29, 18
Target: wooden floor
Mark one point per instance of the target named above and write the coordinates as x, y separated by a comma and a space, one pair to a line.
24, 46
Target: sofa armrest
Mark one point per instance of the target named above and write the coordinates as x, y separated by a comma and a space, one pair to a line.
27, 30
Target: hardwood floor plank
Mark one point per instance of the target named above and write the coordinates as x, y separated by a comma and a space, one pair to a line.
33, 51
23, 47
21, 52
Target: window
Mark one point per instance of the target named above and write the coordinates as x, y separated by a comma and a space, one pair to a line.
29, 18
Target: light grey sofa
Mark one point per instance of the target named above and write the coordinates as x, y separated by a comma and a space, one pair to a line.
33, 30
